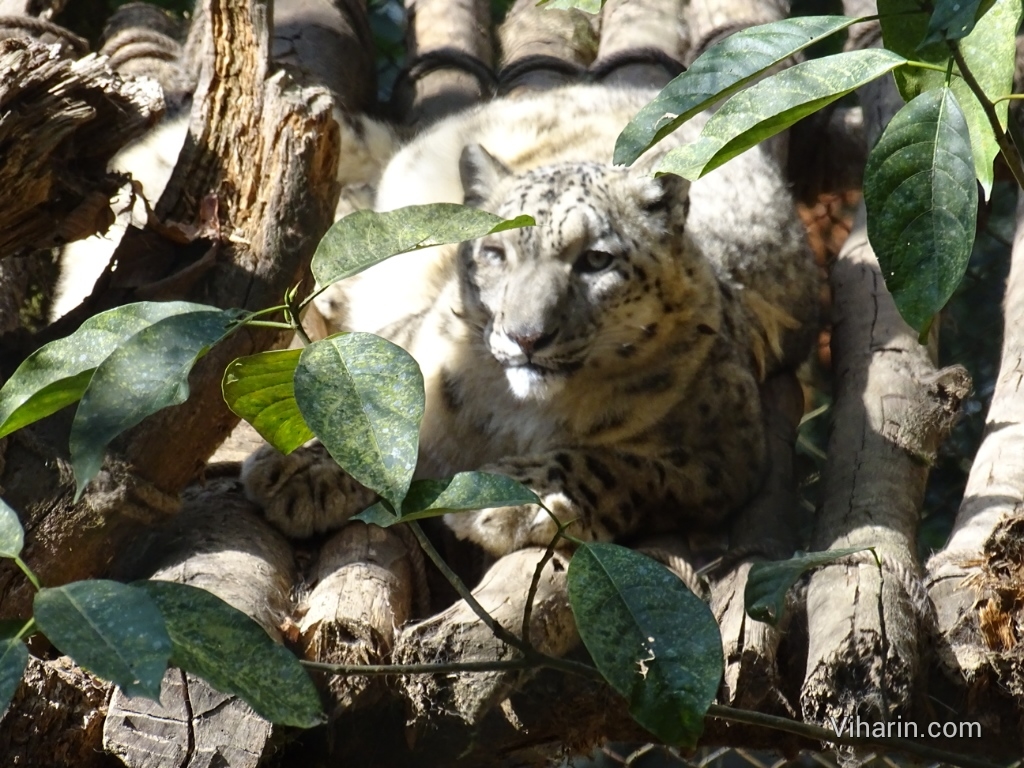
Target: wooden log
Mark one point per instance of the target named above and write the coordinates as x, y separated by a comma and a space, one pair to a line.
544, 47
61, 701
220, 543
55, 187
458, 634
450, 53
366, 583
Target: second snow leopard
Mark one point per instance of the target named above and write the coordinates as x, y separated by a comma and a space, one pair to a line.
608, 358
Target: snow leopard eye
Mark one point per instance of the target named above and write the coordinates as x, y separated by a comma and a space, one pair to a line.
492, 254
593, 261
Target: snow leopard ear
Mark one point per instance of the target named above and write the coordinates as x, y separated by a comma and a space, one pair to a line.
668, 193
481, 172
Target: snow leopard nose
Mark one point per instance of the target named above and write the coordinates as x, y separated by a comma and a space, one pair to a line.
531, 342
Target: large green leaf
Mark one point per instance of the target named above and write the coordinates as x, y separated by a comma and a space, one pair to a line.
774, 104
654, 641
365, 238
146, 373
110, 629
465, 491
12, 535
764, 596
922, 203
989, 51
234, 654
719, 72
261, 389
58, 373
954, 19
363, 397
13, 660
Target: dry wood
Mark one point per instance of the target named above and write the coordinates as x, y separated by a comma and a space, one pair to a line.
766, 529
708, 21
55, 719
55, 187
458, 634
366, 582
450, 53
632, 28
255, 239
544, 48
975, 581
220, 543
891, 410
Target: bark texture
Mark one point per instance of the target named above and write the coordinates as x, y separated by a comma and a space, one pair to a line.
55, 187
976, 582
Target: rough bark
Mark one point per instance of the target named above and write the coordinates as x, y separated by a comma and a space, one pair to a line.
766, 529
544, 48
640, 42
368, 582
220, 543
55, 188
975, 582
450, 55
891, 408
246, 241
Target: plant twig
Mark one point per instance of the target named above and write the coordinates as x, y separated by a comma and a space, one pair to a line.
1006, 146
530, 654
29, 573
535, 583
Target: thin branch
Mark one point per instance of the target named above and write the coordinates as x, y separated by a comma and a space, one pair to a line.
1006, 146
535, 583
421, 669
530, 654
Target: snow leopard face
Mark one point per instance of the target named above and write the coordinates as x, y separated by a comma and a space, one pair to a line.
602, 281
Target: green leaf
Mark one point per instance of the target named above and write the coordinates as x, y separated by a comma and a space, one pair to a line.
363, 397
719, 72
261, 389
146, 373
234, 654
774, 104
654, 641
110, 629
465, 492
989, 51
58, 373
13, 660
587, 6
12, 535
767, 583
365, 238
922, 203
954, 19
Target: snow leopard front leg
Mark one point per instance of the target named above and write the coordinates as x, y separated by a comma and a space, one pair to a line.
605, 495
305, 492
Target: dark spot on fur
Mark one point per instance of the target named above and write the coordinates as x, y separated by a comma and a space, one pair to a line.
588, 494
565, 460
450, 391
632, 460
707, 330
612, 526
678, 457
662, 381
626, 351
555, 475
599, 470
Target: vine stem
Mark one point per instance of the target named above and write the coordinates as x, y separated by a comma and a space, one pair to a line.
531, 655
29, 573
535, 582
1006, 145
817, 733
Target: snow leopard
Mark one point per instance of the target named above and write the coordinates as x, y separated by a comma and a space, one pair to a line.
608, 357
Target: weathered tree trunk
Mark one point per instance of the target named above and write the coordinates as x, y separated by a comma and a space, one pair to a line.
891, 408
975, 581
254, 191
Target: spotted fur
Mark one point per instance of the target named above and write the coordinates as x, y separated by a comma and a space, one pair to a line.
608, 358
